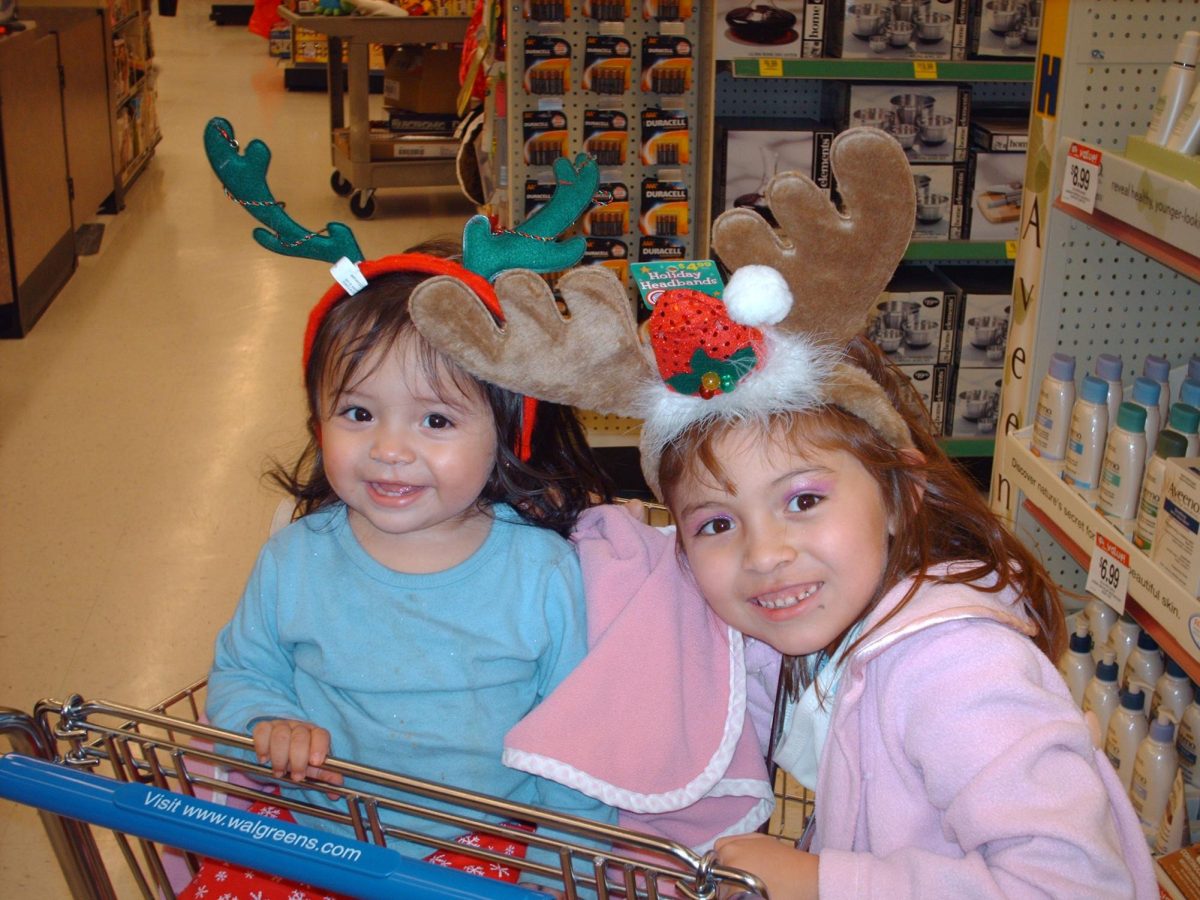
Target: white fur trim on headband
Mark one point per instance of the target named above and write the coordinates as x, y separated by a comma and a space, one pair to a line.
757, 295
793, 377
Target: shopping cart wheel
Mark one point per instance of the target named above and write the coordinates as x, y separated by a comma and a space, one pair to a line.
341, 186
362, 204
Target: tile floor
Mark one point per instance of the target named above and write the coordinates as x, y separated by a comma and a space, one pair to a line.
138, 415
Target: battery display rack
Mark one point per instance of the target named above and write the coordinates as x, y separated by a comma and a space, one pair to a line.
621, 80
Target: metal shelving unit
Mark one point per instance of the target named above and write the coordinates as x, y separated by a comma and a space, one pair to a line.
1087, 284
884, 70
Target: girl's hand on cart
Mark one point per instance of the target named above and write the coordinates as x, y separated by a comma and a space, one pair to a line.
790, 874
294, 749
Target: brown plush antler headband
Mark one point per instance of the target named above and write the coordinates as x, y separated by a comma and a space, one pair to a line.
774, 345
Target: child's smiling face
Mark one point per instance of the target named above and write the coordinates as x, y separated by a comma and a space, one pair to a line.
795, 553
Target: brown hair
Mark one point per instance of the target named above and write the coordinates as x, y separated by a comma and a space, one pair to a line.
939, 513
559, 480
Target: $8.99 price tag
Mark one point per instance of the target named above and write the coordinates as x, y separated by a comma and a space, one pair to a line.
1108, 575
1081, 177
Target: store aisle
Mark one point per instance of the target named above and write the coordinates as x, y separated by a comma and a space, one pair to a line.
137, 417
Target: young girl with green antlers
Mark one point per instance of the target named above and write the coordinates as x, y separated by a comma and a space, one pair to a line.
815, 513
425, 598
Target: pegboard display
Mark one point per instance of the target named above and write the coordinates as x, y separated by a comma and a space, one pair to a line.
1083, 292
626, 82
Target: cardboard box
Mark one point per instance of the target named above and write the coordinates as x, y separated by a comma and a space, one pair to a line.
748, 152
931, 383
388, 145
740, 34
1010, 32
422, 80
915, 320
1176, 544
976, 403
940, 34
986, 307
997, 183
941, 202
931, 121
1000, 131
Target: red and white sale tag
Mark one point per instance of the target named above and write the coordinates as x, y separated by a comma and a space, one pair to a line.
1108, 574
1081, 177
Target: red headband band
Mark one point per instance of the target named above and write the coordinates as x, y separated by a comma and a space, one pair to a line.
424, 264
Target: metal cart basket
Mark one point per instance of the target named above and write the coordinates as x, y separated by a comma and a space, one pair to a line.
143, 773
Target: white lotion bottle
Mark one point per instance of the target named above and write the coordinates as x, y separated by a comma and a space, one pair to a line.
1175, 90
1108, 369
1087, 434
1126, 729
1172, 693
1124, 465
1102, 696
1158, 370
1146, 394
1145, 664
1100, 618
1053, 417
1185, 419
1185, 136
1122, 639
1170, 443
1076, 664
1153, 771
1188, 741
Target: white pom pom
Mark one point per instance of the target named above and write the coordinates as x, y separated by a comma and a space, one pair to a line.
757, 295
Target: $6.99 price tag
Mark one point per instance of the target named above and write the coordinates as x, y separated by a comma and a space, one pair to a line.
1108, 575
1081, 177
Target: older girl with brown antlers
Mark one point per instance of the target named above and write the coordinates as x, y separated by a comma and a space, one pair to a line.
816, 513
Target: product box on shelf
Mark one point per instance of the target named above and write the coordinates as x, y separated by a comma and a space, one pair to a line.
997, 183
436, 124
941, 202
986, 308
1000, 130
1004, 29
781, 29
1176, 545
749, 152
386, 144
931, 121
932, 385
976, 403
422, 80
901, 29
915, 319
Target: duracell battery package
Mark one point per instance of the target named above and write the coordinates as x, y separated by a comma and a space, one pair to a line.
537, 195
608, 216
606, 135
610, 253
606, 10
665, 138
666, 64
652, 247
545, 132
547, 65
664, 209
666, 10
547, 10
607, 64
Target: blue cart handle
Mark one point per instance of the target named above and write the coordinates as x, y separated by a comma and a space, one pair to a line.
281, 848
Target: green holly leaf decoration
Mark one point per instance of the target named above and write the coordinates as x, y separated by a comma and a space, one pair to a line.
728, 371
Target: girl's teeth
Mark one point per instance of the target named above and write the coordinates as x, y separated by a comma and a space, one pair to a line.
785, 602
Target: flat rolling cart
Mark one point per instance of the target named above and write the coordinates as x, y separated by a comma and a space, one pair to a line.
355, 174
145, 774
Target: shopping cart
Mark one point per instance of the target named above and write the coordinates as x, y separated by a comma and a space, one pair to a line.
144, 773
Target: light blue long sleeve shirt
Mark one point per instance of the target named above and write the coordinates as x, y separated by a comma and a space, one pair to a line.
418, 674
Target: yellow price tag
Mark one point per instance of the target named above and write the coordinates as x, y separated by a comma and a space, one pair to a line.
1010, 249
770, 68
925, 68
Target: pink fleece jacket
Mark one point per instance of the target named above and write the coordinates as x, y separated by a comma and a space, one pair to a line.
658, 718
957, 766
